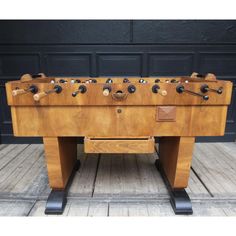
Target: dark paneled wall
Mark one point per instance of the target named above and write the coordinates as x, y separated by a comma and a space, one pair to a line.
97, 48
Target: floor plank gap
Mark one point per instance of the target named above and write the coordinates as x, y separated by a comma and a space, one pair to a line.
95, 178
202, 182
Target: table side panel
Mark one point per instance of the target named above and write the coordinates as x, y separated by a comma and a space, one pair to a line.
108, 121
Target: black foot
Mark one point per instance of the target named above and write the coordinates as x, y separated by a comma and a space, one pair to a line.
56, 202
181, 202
57, 199
179, 198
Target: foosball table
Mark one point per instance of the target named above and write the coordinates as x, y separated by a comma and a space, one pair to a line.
119, 115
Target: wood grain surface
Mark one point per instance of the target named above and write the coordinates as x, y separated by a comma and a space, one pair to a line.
61, 156
175, 157
116, 121
145, 145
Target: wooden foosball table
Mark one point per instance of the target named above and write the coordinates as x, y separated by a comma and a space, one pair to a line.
119, 115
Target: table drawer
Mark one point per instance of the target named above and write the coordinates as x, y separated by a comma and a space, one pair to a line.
119, 145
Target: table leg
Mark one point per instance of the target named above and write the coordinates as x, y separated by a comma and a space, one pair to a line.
62, 163
175, 156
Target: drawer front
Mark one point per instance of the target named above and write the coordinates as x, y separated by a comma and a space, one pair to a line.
114, 145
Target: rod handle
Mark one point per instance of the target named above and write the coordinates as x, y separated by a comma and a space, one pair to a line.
38, 96
106, 92
16, 92
162, 92
156, 89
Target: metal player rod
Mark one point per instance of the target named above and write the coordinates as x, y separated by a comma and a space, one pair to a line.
181, 89
219, 91
157, 89
56, 89
32, 89
194, 93
81, 89
205, 88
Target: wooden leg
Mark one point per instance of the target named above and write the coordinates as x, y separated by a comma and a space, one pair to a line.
175, 159
175, 155
61, 156
61, 159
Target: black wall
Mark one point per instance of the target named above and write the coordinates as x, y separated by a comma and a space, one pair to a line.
97, 48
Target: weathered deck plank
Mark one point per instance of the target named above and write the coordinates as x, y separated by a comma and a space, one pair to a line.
117, 185
160, 209
150, 178
103, 180
39, 208
98, 209
2, 146
118, 209
87, 208
195, 188
75, 208
34, 181
128, 175
15, 207
78, 208
9, 153
18, 175
83, 183
137, 209
136, 176
216, 169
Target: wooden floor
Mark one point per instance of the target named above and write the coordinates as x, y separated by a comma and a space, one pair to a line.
117, 185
